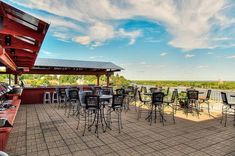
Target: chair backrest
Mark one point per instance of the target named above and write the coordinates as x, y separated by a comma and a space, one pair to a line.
73, 94
131, 88
208, 94
153, 90
135, 91
92, 101
192, 94
97, 90
157, 98
120, 91
117, 100
61, 92
83, 95
168, 90
143, 89
174, 95
224, 98
107, 91
140, 97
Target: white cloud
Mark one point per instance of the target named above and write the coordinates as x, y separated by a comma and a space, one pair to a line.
163, 54
189, 56
96, 57
132, 35
61, 36
84, 40
210, 53
143, 63
101, 32
231, 57
46, 52
191, 23
203, 67
152, 40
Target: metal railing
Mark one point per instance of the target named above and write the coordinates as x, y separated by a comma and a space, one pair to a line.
215, 93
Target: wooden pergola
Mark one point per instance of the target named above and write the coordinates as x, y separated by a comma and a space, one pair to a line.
74, 67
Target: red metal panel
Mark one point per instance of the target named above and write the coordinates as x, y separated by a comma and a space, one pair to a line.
19, 44
36, 93
21, 53
14, 28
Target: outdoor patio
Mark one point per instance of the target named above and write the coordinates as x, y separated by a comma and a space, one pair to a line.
45, 130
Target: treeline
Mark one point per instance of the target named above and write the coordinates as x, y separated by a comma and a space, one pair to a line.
226, 85
54, 80
115, 80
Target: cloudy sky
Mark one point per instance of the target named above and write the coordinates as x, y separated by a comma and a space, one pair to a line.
151, 39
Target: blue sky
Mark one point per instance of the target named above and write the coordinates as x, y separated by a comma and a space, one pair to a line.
151, 39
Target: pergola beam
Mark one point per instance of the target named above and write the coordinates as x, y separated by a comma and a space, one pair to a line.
6, 59
66, 72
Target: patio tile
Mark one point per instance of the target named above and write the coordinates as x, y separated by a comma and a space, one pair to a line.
44, 130
171, 152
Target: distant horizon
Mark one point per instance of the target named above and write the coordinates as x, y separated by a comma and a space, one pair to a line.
158, 39
189, 80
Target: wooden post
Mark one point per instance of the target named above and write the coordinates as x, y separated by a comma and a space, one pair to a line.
16, 79
9, 77
98, 80
108, 76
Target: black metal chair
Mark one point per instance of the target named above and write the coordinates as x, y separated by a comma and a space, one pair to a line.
192, 101
107, 91
61, 96
172, 103
73, 100
92, 106
143, 102
228, 109
167, 91
120, 91
133, 97
97, 90
126, 101
206, 100
157, 106
116, 106
143, 89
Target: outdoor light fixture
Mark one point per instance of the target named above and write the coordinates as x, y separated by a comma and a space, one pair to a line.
8, 40
13, 51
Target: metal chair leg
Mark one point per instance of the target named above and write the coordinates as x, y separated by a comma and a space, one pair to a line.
84, 125
221, 121
226, 116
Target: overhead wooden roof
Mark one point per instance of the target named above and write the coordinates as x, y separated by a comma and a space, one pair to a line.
74, 67
21, 37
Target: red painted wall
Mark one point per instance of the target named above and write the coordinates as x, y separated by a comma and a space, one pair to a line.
35, 95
